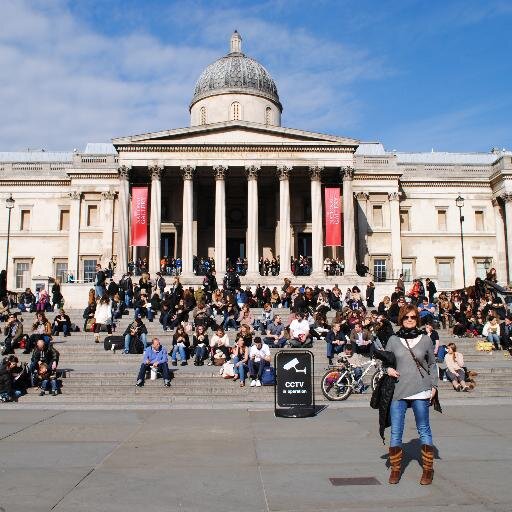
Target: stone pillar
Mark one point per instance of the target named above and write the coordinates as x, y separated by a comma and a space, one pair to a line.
285, 238
500, 261
187, 238
349, 232
396, 240
107, 214
252, 239
362, 225
74, 234
220, 218
155, 221
507, 198
124, 219
317, 238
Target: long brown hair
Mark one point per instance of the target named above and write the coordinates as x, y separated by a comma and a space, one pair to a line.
454, 349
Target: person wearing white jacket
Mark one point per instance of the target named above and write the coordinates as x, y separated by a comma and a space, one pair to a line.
102, 316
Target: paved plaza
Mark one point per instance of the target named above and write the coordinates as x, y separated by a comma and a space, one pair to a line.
246, 460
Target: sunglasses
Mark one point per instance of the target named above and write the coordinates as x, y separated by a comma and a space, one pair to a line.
409, 317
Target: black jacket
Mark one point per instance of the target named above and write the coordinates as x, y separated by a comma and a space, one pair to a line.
6, 380
47, 355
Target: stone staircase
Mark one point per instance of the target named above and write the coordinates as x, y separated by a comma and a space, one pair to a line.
95, 376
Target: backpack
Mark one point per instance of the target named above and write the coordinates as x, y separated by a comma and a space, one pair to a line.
227, 371
268, 377
113, 341
136, 346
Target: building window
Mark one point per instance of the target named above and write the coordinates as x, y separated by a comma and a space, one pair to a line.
25, 220
444, 275
479, 220
202, 112
22, 274
379, 270
441, 220
92, 215
89, 270
404, 220
61, 270
377, 216
407, 271
268, 115
482, 266
64, 220
235, 111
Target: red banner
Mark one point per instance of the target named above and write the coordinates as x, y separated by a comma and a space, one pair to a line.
139, 216
333, 227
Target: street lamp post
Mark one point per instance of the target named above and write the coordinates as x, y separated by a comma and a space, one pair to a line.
9, 204
460, 203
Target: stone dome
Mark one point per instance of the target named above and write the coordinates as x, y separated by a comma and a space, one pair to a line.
236, 73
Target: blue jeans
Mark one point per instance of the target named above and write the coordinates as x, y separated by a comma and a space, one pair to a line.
200, 353
99, 290
494, 339
178, 350
53, 383
147, 312
15, 395
240, 370
56, 329
421, 415
256, 368
333, 349
229, 322
128, 339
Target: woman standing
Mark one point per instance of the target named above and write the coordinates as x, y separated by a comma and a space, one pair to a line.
416, 386
370, 294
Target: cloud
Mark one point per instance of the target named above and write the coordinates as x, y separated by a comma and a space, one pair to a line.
66, 83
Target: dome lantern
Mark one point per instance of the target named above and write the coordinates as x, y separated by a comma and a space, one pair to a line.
236, 44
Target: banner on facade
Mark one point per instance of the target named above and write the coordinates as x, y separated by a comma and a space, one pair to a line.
139, 216
333, 227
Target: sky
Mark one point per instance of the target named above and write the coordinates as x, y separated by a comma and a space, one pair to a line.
416, 75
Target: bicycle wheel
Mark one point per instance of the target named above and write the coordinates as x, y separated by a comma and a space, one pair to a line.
334, 390
376, 377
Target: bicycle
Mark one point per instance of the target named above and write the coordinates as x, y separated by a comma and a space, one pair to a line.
341, 380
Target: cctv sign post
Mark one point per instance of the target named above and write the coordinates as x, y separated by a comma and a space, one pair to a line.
294, 395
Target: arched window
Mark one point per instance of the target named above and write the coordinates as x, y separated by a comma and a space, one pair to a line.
268, 115
202, 113
235, 111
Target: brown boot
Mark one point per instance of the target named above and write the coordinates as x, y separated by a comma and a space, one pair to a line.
395, 461
427, 458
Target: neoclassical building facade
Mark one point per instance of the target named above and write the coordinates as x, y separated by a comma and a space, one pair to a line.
237, 183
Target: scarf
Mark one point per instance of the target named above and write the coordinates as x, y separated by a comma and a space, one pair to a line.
409, 334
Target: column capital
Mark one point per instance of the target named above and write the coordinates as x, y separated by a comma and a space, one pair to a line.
124, 172
156, 171
315, 172
394, 196
507, 198
495, 202
252, 172
108, 194
362, 196
220, 171
188, 171
283, 172
75, 195
347, 173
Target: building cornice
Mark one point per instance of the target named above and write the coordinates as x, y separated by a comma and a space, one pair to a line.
34, 183
440, 183
234, 148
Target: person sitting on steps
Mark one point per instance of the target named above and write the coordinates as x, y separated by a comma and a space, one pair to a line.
154, 358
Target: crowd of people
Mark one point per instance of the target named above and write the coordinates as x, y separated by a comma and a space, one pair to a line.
200, 320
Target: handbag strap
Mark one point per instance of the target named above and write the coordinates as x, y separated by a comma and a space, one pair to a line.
418, 364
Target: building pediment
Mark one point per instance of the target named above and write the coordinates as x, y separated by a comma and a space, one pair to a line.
235, 132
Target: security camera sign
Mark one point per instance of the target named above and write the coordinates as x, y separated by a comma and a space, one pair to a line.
294, 379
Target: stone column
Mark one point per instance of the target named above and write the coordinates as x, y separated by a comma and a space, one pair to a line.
500, 261
187, 238
507, 198
349, 232
74, 234
252, 239
124, 219
317, 238
220, 218
285, 238
155, 221
396, 240
362, 225
107, 214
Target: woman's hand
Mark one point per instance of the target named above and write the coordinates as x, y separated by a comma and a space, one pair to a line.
393, 373
434, 392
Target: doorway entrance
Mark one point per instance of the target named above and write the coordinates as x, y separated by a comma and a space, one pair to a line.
167, 245
304, 244
235, 249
